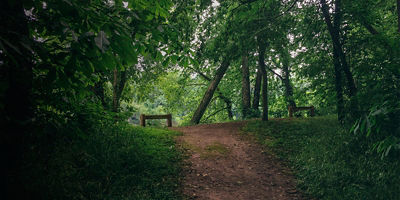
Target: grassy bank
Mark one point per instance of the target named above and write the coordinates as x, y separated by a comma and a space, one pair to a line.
113, 162
329, 162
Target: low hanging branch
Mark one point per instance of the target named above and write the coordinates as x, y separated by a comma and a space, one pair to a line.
201, 108
271, 70
214, 113
227, 101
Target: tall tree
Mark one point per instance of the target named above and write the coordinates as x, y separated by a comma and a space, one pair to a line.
286, 77
98, 90
398, 16
210, 92
334, 30
227, 101
119, 81
262, 45
339, 55
245, 86
257, 89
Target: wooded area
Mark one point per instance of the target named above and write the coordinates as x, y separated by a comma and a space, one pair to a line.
69, 67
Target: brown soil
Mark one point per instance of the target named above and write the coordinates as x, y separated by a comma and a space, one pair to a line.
224, 165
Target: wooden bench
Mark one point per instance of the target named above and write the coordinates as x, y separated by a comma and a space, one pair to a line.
295, 109
144, 117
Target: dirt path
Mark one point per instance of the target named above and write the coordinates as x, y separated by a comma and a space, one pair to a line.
223, 165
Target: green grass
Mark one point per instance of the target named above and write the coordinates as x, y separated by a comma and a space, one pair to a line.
115, 162
215, 150
329, 162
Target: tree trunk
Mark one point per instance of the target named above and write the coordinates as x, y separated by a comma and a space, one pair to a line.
342, 56
227, 101
286, 78
119, 80
338, 52
98, 90
262, 46
338, 86
257, 89
210, 92
16, 105
345, 67
398, 16
121, 86
115, 88
245, 87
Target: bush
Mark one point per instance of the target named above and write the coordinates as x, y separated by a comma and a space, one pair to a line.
380, 128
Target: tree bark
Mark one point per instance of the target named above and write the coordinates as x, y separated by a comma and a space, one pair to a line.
119, 80
121, 86
98, 90
115, 88
227, 101
339, 59
338, 87
345, 67
257, 89
334, 32
210, 92
245, 87
286, 78
398, 16
262, 46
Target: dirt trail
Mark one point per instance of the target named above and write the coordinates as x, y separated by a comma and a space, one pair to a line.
223, 165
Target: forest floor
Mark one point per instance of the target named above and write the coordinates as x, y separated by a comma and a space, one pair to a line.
224, 164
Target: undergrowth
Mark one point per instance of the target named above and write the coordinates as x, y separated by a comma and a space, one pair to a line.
329, 162
114, 161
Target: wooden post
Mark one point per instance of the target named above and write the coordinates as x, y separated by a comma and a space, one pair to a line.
169, 120
312, 111
142, 120
290, 111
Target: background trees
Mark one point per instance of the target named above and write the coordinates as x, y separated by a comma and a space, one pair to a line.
68, 64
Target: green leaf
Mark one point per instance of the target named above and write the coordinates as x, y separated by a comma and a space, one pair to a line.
186, 62
194, 62
149, 17
108, 61
166, 62
174, 59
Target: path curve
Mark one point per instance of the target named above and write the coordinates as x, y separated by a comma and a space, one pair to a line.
222, 165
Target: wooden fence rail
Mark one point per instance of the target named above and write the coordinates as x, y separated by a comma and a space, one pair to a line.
144, 117
295, 109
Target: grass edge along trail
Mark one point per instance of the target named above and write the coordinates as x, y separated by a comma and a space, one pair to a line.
113, 162
328, 161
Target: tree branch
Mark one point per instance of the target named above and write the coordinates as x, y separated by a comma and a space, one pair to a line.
214, 113
370, 28
278, 75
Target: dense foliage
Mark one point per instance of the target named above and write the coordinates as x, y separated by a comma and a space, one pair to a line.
67, 67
